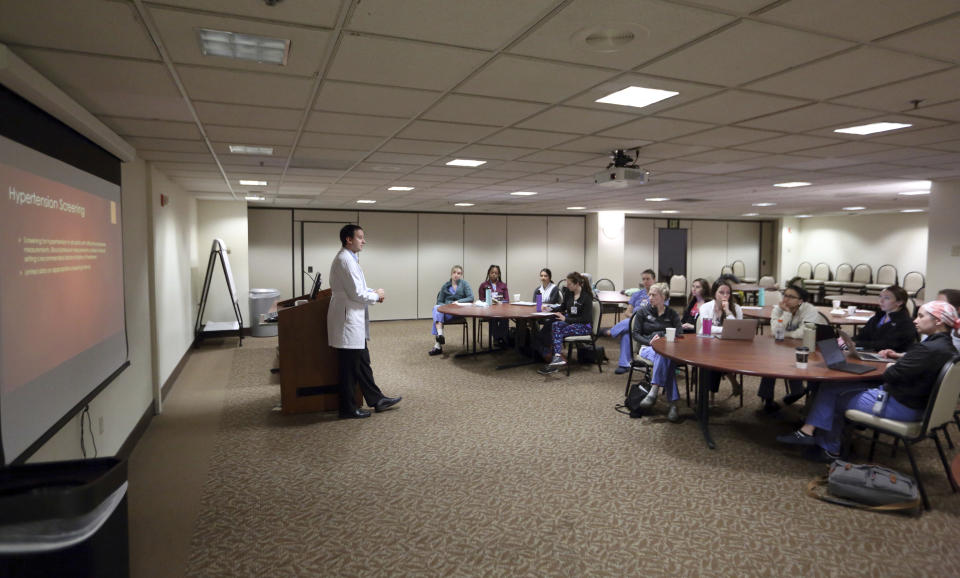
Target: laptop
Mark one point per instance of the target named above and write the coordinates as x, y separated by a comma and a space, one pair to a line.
742, 329
833, 355
861, 355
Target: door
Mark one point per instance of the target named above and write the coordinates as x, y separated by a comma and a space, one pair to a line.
671, 254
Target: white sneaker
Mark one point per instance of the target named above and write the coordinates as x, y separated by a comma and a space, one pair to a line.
557, 361
650, 399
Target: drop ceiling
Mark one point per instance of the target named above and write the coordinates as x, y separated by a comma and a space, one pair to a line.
381, 93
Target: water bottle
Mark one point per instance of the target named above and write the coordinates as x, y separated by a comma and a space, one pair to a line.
779, 332
489, 296
761, 297
539, 302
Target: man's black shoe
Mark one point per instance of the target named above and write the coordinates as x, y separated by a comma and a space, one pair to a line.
355, 414
386, 403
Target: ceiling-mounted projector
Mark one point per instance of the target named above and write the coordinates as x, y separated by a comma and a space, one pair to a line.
622, 171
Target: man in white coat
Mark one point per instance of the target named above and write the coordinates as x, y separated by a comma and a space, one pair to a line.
348, 327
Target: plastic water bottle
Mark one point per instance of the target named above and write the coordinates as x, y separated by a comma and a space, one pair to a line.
490, 296
761, 297
779, 333
539, 302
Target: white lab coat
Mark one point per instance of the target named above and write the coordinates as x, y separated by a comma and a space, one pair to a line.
348, 321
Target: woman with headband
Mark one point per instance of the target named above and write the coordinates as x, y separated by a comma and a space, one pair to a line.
903, 395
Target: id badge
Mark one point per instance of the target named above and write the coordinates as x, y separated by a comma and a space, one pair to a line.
573, 310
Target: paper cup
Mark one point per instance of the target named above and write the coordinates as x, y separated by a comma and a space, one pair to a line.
803, 355
516, 297
671, 334
852, 310
836, 304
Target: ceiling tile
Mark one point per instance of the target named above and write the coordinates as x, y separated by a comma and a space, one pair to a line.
165, 144
925, 136
947, 111
152, 128
516, 137
721, 156
600, 144
860, 69
429, 147
669, 151
242, 87
931, 89
526, 79
732, 106
656, 129
486, 25
725, 136
301, 12
687, 91
937, 40
874, 18
250, 116
786, 144
340, 141
402, 63
259, 136
657, 26
757, 49
366, 99
576, 119
486, 152
481, 110
846, 149
809, 118
737, 6
558, 157
353, 124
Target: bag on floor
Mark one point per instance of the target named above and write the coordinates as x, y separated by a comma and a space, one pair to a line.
636, 391
590, 356
867, 487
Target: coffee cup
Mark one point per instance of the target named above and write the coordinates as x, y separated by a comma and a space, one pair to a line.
516, 297
852, 310
803, 355
836, 304
671, 334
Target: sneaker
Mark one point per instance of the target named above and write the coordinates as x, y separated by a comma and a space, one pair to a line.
440, 339
770, 407
649, 400
435, 351
797, 438
557, 361
793, 398
673, 415
620, 370
547, 370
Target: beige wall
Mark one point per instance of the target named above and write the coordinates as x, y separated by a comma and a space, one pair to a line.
228, 221
943, 252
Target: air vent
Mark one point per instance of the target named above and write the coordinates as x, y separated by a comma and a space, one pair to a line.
608, 38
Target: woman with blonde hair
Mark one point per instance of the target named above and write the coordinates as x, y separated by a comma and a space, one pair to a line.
456, 290
652, 321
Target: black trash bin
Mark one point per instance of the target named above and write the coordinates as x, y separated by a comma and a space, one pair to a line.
64, 519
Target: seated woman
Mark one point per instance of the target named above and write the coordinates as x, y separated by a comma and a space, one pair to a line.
699, 294
500, 294
903, 396
724, 306
574, 316
790, 315
547, 289
637, 300
653, 320
891, 327
456, 290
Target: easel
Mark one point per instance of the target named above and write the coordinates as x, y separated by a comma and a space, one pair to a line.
219, 249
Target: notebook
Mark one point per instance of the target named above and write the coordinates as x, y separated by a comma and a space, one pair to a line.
743, 329
861, 355
835, 359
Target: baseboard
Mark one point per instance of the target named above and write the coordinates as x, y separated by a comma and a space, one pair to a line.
168, 384
131, 442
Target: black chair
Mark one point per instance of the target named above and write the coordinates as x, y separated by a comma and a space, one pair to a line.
590, 340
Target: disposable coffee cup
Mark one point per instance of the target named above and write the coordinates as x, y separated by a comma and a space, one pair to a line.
671, 334
516, 297
852, 310
803, 355
836, 304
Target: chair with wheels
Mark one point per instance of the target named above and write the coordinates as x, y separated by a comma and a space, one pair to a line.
939, 412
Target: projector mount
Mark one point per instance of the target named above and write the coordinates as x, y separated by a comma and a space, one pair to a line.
621, 159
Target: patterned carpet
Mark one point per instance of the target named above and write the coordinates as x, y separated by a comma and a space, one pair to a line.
480, 472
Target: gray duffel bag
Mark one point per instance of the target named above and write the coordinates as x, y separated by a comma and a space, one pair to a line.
867, 486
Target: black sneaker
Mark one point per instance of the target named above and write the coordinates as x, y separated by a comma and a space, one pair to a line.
547, 370
797, 438
793, 398
435, 351
770, 407
820, 455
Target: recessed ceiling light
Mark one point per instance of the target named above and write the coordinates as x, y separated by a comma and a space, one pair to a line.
656, 199
575, 208
243, 46
400, 189
523, 193
751, 214
465, 163
637, 96
254, 198
247, 183
366, 202
804, 216
668, 211
872, 128
853, 208
463, 204
250, 150
912, 193
911, 210
792, 184
764, 204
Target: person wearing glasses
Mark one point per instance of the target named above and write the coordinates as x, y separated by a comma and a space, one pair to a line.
790, 315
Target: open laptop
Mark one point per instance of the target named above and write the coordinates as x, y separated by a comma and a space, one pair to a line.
833, 355
743, 329
861, 355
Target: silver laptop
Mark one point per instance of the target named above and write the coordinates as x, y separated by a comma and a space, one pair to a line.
743, 329
861, 355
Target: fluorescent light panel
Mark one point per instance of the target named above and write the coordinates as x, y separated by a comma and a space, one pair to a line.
764, 204
465, 163
463, 204
523, 193
575, 208
400, 189
913, 193
254, 198
247, 183
366, 202
669, 212
853, 208
656, 199
751, 214
250, 150
872, 128
911, 211
637, 96
261, 49
792, 184
804, 216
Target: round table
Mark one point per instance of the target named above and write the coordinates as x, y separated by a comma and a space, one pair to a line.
861, 318
496, 311
868, 300
762, 356
613, 299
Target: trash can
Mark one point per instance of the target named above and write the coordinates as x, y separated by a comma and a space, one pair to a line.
262, 304
64, 519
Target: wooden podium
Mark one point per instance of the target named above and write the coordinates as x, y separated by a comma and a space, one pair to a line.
309, 368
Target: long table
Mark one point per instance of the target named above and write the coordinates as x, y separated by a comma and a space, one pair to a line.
519, 313
763, 357
861, 318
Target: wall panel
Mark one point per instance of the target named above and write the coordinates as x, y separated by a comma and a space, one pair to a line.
708, 248
566, 247
526, 253
639, 250
271, 250
440, 246
484, 244
743, 243
390, 261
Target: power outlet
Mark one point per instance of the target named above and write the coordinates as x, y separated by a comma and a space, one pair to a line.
100, 424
